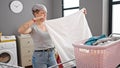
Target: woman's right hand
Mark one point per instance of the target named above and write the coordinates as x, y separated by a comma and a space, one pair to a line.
37, 18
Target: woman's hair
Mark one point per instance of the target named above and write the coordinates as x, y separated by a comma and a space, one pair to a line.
38, 7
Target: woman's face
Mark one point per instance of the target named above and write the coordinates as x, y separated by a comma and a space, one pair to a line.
41, 14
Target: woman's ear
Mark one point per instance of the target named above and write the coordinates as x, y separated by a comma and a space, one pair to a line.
35, 14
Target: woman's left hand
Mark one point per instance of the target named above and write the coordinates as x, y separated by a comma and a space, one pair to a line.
84, 10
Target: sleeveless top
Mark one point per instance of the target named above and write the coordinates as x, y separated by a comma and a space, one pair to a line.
40, 38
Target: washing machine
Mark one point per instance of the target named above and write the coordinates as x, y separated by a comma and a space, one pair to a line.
8, 52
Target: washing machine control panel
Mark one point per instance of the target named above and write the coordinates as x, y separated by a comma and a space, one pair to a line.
7, 45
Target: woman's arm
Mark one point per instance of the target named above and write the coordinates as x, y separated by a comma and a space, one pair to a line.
25, 28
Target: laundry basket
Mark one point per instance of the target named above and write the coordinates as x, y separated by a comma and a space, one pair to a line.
107, 56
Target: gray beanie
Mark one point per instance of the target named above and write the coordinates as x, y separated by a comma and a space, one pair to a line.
39, 7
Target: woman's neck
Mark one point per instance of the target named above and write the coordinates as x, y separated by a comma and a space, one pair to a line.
39, 23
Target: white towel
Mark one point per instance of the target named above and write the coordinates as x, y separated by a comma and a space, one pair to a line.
67, 30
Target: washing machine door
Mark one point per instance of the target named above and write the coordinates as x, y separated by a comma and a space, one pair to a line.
6, 56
